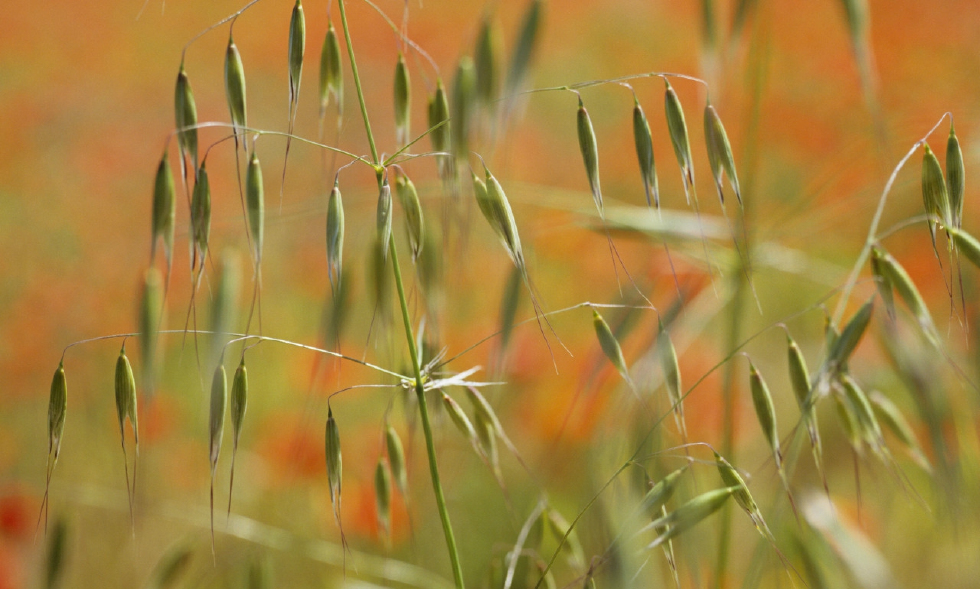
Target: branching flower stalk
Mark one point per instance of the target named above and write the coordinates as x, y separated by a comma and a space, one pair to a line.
406, 318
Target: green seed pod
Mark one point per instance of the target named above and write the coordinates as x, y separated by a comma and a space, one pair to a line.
679, 137
459, 418
526, 43
335, 237
868, 426
486, 435
384, 219
690, 514
239, 400
894, 275
151, 309
382, 495
57, 555
658, 496
765, 411
882, 282
891, 416
966, 243
845, 345
164, 210
331, 72
334, 461
799, 377
955, 177
464, 95
185, 115
255, 199
295, 50
672, 376
483, 199
441, 138
414, 222
486, 63
224, 304
934, 195
720, 153
125, 395
848, 420
501, 219
644, 153
610, 347
590, 152
560, 528
200, 217
732, 478
216, 421
57, 408
235, 86
396, 458
403, 101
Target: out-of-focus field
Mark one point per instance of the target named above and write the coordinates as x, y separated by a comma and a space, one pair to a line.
86, 106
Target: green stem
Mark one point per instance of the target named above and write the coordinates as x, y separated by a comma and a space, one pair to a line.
357, 81
447, 528
419, 391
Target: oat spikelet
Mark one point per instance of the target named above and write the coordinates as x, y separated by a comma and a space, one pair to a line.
384, 219
331, 75
679, 138
765, 411
610, 346
658, 495
335, 237
438, 111
720, 156
255, 199
894, 276
644, 154
845, 344
185, 115
891, 416
382, 495
334, 464
216, 422
403, 101
296, 47
799, 377
396, 458
239, 402
151, 309
125, 394
164, 212
689, 514
590, 153
408, 196
955, 177
935, 197
57, 409
464, 98
235, 87
485, 62
526, 44
200, 223
672, 377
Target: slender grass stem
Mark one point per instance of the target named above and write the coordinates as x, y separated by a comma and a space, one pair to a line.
357, 82
406, 318
447, 528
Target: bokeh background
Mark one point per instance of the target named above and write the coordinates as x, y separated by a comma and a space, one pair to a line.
816, 121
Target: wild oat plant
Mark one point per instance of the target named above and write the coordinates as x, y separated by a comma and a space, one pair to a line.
434, 339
